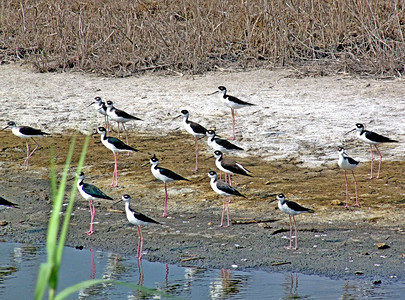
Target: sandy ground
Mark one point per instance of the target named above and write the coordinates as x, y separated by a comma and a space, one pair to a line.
290, 138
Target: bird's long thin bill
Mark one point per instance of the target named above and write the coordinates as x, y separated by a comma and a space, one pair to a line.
144, 165
117, 202
350, 131
91, 104
4, 128
213, 93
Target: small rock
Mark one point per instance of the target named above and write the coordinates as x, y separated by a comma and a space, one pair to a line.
358, 272
377, 282
365, 253
382, 246
336, 202
3, 223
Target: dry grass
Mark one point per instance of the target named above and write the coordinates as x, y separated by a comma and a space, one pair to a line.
123, 37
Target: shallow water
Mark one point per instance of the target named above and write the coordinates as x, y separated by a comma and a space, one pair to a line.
19, 267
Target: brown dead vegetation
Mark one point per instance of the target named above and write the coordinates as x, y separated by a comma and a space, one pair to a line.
124, 37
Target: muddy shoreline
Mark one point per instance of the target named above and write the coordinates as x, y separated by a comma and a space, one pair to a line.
334, 242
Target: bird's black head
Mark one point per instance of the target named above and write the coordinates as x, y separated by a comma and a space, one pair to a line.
217, 153
101, 129
340, 149
210, 132
81, 174
222, 88
10, 123
359, 126
126, 197
154, 159
184, 112
98, 99
212, 174
109, 102
280, 196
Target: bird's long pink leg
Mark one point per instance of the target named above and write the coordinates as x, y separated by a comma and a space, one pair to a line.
165, 208
119, 134
227, 212
26, 162
289, 247
296, 236
233, 124
371, 171
106, 124
92, 214
355, 191
347, 192
115, 173
223, 213
379, 164
139, 252
30, 154
196, 154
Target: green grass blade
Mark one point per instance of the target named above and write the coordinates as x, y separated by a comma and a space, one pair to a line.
63, 234
53, 226
44, 274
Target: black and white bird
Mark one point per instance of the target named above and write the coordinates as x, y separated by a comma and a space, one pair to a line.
292, 209
219, 144
196, 130
229, 166
372, 138
347, 163
138, 219
101, 108
26, 132
164, 175
7, 203
116, 146
226, 190
119, 116
91, 193
233, 103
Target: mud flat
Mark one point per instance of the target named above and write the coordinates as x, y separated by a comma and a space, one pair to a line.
291, 141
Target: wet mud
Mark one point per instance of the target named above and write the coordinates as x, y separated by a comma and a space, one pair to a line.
333, 241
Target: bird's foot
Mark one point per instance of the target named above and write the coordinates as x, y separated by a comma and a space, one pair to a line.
90, 232
346, 206
220, 225
356, 204
164, 215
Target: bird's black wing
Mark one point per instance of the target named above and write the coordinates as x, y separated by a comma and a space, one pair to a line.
31, 131
143, 218
171, 174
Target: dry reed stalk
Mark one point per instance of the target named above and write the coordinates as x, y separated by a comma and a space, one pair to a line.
122, 37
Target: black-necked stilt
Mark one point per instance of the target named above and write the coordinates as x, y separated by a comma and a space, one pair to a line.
372, 138
138, 219
7, 203
220, 144
120, 116
224, 189
164, 175
233, 103
26, 132
102, 109
90, 192
196, 130
229, 166
345, 162
116, 146
292, 209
